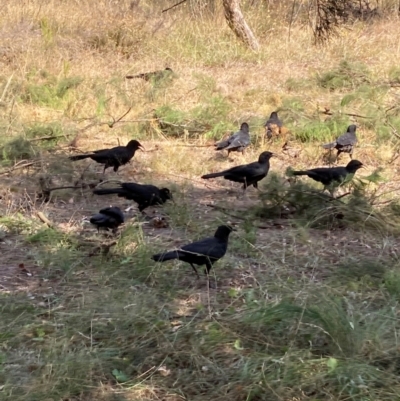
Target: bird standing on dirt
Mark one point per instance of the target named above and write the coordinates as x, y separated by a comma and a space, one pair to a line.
203, 252
153, 75
273, 125
237, 142
108, 218
143, 195
345, 143
331, 175
248, 174
114, 157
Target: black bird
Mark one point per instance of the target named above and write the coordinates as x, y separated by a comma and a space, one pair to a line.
153, 75
248, 174
108, 218
345, 143
237, 142
273, 125
203, 252
143, 195
331, 175
114, 157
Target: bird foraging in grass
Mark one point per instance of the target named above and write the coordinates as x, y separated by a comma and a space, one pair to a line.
114, 157
108, 218
331, 177
273, 125
345, 143
204, 252
248, 174
143, 195
237, 142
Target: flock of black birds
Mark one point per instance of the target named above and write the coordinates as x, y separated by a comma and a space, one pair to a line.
209, 250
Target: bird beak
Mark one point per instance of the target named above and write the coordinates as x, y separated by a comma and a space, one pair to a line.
142, 148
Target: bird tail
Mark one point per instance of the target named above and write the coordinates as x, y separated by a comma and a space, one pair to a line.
162, 257
213, 175
330, 145
109, 191
221, 145
79, 157
299, 173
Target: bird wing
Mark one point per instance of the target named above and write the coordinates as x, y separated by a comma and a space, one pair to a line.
140, 193
103, 152
327, 175
113, 212
210, 247
346, 139
226, 142
338, 173
99, 218
241, 139
248, 170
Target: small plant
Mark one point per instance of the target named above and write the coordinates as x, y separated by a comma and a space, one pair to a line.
347, 75
16, 149
52, 92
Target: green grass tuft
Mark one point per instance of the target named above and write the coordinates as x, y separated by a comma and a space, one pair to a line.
348, 75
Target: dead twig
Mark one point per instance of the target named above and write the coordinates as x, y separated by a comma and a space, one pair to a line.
44, 219
194, 146
175, 5
104, 248
225, 211
46, 138
394, 130
111, 125
100, 184
18, 166
73, 143
341, 196
327, 112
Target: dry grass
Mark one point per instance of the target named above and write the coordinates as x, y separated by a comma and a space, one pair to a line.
300, 313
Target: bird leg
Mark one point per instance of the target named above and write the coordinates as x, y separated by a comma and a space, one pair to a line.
207, 272
195, 270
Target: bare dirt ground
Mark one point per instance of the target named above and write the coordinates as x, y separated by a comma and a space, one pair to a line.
210, 202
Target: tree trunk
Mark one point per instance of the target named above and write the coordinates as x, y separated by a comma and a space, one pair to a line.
236, 22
